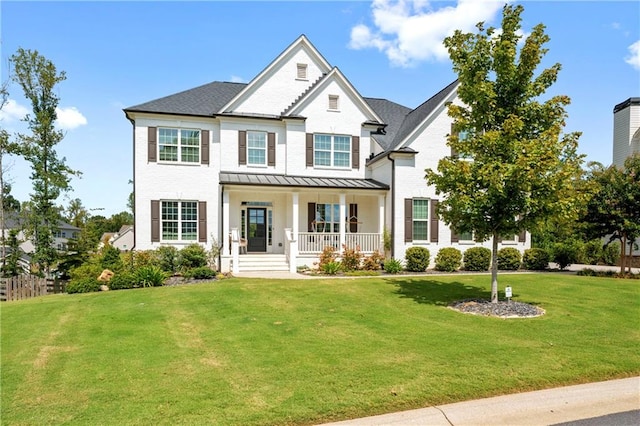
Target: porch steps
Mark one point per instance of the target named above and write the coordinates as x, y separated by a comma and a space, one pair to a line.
262, 262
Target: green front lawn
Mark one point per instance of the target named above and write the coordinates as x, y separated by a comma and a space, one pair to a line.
249, 351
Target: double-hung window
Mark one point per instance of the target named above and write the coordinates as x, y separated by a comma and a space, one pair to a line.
179, 220
327, 217
257, 148
331, 150
420, 219
179, 145
466, 237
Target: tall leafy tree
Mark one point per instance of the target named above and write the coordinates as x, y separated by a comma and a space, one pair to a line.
38, 77
614, 208
75, 213
514, 167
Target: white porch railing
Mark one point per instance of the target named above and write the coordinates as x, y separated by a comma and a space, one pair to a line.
315, 242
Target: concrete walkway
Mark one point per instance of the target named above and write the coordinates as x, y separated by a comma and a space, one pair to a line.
545, 407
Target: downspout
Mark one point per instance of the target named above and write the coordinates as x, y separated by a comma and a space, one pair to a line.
393, 203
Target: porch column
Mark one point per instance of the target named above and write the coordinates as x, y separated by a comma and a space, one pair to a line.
235, 250
225, 237
381, 221
293, 244
343, 220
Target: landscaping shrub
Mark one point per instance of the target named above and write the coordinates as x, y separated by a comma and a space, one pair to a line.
110, 258
150, 276
83, 285
564, 254
477, 259
350, 258
509, 259
417, 259
328, 255
192, 256
611, 254
201, 273
448, 259
122, 281
167, 258
591, 252
392, 266
373, 262
331, 268
90, 269
535, 259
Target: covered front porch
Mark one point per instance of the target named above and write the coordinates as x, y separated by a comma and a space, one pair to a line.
298, 217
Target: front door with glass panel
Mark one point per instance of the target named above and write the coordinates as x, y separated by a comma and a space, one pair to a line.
257, 230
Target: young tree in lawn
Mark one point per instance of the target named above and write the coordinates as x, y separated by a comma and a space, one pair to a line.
614, 208
38, 77
514, 167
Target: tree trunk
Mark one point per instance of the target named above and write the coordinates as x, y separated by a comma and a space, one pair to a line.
623, 251
494, 269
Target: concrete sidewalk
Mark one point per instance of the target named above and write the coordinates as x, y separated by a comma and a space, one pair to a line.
545, 407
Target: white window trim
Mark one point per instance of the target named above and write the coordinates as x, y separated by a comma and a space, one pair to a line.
332, 152
266, 149
179, 146
180, 221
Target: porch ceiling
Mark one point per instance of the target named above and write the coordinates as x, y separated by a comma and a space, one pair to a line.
227, 178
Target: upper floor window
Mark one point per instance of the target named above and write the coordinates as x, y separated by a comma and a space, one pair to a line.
331, 150
301, 73
257, 148
179, 220
333, 102
179, 145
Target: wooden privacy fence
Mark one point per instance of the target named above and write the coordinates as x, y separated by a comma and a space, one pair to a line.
28, 286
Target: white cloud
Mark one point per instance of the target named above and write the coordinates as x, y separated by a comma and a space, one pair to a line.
634, 55
69, 118
236, 79
13, 111
408, 31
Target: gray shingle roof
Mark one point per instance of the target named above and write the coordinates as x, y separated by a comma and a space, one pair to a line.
392, 114
205, 100
229, 178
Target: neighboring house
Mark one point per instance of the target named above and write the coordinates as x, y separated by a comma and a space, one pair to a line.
60, 239
626, 130
123, 239
289, 163
626, 137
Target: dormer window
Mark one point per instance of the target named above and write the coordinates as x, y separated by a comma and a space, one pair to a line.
333, 102
301, 72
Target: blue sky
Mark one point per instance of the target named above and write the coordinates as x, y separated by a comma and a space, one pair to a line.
119, 54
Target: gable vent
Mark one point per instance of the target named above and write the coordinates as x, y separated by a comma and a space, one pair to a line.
301, 72
333, 101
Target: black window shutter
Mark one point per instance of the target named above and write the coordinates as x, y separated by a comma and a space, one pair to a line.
408, 219
355, 152
151, 144
522, 237
454, 236
434, 221
453, 151
204, 147
155, 221
309, 149
353, 218
271, 149
242, 147
202, 221
311, 216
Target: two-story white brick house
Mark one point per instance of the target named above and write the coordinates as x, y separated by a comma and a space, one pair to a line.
287, 164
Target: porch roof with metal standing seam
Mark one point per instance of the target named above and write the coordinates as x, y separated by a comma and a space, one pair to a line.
228, 178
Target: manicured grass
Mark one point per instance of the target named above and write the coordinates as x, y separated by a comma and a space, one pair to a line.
249, 351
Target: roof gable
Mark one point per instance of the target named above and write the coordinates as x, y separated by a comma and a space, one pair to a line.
277, 85
334, 76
